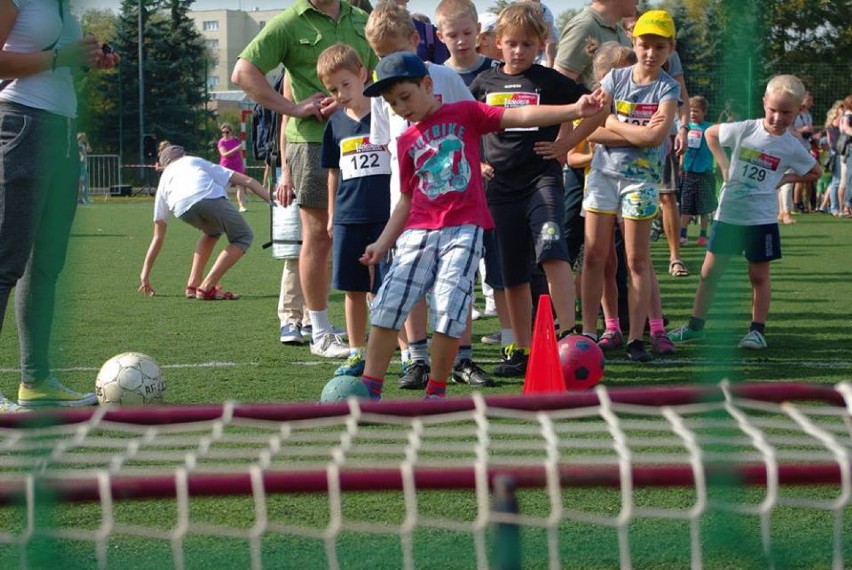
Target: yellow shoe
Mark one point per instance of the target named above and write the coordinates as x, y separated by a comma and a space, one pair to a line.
52, 393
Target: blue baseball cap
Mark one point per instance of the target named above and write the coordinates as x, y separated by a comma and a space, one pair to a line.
396, 66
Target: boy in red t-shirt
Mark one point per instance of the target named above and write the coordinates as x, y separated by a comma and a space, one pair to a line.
442, 213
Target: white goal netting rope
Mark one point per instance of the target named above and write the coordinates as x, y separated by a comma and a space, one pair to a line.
759, 453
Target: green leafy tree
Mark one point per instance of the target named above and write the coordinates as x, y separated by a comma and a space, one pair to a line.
174, 68
97, 91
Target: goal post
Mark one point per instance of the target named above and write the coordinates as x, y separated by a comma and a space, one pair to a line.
576, 479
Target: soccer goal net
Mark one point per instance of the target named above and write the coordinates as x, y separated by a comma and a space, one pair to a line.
723, 476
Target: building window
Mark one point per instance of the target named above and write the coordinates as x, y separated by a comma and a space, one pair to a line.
213, 80
214, 62
212, 44
210, 26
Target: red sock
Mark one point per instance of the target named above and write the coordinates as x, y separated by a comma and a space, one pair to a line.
435, 388
374, 385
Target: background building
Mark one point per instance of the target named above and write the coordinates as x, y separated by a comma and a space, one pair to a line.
227, 32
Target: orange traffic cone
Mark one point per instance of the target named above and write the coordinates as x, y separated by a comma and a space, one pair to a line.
544, 371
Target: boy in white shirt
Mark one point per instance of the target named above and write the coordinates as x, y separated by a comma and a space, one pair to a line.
194, 190
763, 150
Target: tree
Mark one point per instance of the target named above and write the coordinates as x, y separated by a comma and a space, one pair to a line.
174, 67
96, 92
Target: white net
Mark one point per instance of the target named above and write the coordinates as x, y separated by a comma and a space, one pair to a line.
729, 482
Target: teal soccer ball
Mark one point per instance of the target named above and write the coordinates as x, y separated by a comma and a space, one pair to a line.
340, 388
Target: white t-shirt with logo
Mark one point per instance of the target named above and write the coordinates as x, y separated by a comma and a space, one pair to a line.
187, 181
758, 162
386, 126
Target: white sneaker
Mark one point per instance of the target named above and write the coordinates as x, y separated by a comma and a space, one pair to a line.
475, 314
292, 334
7, 406
753, 341
330, 346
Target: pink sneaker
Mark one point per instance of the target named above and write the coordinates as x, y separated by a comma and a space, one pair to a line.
610, 340
684, 240
701, 241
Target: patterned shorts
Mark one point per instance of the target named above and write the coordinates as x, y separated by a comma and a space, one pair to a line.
607, 194
443, 261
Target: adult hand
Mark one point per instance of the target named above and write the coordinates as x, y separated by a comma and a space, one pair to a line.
310, 107
285, 192
328, 106
680, 143
83, 53
487, 170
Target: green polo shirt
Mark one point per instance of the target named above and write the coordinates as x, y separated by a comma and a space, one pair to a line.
295, 38
573, 53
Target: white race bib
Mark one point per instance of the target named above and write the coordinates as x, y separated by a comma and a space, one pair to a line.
635, 113
693, 138
513, 99
359, 157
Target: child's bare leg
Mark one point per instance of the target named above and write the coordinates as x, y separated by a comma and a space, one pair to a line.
609, 298
241, 192
561, 285
761, 291
355, 309
711, 271
598, 245
203, 249
637, 247
519, 303
380, 349
225, 260
444, 349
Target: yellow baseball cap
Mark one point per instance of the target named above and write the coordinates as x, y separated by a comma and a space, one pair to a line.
655, 22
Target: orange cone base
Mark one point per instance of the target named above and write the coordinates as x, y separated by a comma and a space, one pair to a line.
544, 371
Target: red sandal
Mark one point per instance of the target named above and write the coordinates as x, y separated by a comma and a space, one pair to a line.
215, 294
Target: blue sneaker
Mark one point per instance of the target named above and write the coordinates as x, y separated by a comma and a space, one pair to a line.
354, 366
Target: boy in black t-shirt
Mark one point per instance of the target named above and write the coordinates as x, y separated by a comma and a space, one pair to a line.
358, 191
524, 190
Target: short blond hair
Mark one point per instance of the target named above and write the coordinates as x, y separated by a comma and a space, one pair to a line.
387, 20
522, 16
336, 58
448, 10
788, 84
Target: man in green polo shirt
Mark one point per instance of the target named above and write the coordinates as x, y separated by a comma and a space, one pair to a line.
295, 38
599, 22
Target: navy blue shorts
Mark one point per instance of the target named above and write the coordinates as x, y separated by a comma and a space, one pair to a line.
491, 255
349, 243
530, 232
759, 243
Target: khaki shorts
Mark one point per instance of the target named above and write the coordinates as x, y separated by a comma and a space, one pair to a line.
309, 178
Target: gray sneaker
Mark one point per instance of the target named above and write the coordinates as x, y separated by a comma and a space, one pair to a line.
493, 338
753, 341
330, 346
291, 333
7, 406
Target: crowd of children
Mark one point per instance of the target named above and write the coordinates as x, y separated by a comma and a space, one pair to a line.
432, 167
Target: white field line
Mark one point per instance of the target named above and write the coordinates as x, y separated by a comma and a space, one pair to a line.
663, 362
213, 364
657, 362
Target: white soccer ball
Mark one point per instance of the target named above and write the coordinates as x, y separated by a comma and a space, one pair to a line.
130, 379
